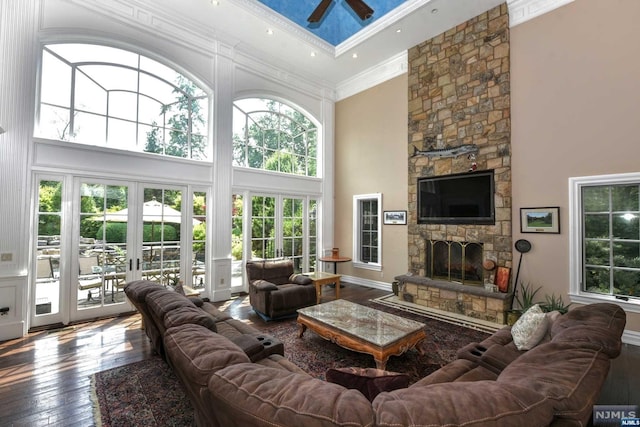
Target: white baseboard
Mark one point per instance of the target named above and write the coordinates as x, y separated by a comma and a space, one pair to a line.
366, 282
631, 337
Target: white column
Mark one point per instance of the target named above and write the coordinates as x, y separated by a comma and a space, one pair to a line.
18, 65
222, 179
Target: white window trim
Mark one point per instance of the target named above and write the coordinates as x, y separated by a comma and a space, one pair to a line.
357, 263
576, 294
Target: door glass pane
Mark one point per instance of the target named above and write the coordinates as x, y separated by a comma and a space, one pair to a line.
161, 218
237, 236
292, 232
199, 242
47, 276
263, 244
102, 250
313, 235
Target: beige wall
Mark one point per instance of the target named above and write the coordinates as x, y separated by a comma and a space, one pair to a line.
371, 157
575, 83
575, 91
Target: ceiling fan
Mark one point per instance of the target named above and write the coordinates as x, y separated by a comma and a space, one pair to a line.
359, 7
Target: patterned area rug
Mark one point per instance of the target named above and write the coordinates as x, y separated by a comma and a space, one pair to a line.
144, 393
147, 393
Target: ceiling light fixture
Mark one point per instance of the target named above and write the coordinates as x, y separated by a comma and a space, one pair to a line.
354, 56
269, 31
313, 54
434, 11
358, 6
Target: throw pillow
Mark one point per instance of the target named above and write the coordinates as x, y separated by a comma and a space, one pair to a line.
300, 279
368, 381
530, 328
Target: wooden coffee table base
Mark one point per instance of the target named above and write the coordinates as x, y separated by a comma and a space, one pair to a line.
380, 354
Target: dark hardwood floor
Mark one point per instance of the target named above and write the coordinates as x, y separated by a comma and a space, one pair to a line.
45, 377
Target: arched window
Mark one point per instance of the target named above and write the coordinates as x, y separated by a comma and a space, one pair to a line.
270, 135
105, 96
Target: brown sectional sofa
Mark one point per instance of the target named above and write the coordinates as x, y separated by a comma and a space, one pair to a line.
491, 383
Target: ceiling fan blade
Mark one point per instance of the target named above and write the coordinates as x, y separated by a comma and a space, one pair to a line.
319, 12
360, 8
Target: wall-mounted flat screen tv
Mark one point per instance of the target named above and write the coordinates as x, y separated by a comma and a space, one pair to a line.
466, 198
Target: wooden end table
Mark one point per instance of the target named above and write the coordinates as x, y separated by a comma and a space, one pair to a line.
320, 278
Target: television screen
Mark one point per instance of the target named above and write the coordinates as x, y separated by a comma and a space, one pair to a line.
457, 199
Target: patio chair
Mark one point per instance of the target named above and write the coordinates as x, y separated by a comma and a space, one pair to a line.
89, 277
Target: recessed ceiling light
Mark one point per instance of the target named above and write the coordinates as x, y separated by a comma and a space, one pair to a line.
399, 30
313, 54
354, 56
434, 11
215, 2
269, 31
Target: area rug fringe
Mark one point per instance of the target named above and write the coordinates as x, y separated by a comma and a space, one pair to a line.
95, 403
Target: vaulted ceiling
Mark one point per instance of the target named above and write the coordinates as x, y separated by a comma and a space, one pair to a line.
341, 48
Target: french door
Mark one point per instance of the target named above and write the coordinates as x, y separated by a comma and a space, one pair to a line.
284, 226
110, 232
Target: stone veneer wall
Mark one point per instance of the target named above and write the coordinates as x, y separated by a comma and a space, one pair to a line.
459, 94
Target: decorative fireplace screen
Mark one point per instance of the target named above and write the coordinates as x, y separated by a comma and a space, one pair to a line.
455, 261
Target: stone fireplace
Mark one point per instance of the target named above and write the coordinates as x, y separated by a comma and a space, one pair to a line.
459, 95
455, 261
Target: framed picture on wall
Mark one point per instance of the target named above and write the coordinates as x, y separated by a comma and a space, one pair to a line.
395, 217
540, 220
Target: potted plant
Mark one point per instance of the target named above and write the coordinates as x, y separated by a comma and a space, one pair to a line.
554, 303
525, 299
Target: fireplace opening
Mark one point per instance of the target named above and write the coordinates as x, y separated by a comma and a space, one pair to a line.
455, 261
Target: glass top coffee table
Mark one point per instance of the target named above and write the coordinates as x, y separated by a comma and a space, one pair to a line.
362, 329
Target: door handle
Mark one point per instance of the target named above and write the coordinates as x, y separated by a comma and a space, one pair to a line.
130, 264
138, 264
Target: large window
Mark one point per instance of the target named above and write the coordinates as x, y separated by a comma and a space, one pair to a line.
272, 136
104, 96
367, 247
606, 239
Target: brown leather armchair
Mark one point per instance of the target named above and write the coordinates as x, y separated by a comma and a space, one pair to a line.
275, 291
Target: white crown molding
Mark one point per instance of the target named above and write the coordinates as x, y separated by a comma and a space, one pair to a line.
286, 24
521, 11
375, 27
361, 36
392, 67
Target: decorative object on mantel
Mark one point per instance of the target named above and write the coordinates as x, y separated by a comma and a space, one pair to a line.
502, 278
540, 220
447, 151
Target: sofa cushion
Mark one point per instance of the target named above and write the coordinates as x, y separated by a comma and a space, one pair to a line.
470, 404
164, 301
196, 352
300, 279
530, 328
604, 321
569, 375
189, 315
137, 290
368, 381
255, 395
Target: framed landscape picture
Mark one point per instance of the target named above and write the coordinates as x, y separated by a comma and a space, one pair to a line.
395, 217
540, 220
